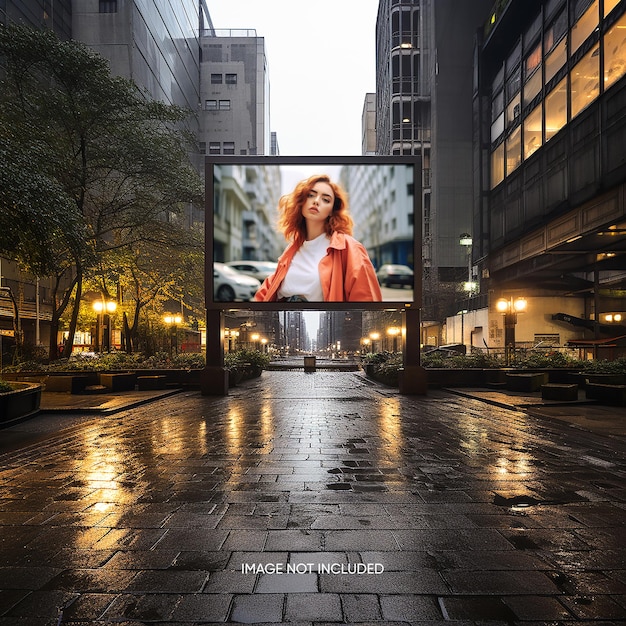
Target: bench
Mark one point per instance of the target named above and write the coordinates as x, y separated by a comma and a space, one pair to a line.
122, 381
614, 395
67, 383
526, 382
149, 383
558, 391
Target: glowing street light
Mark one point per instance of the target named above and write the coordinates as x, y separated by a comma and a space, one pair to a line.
172, 321
510, 308
393, 332
103, 309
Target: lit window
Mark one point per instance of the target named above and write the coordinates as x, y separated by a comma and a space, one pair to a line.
231, 79
615, 52
216, 79
532, 87
513, 150
533, 132
556, 59
609, 5
556, 109
585, 26
585, 81
497, 165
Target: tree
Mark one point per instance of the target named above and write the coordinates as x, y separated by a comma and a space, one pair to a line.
106, 165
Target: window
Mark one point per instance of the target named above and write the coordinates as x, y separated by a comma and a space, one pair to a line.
585, 81
107, 6
532, 74
609, 5
497, 165
513, 111
585, 25
497, 105
216, 79
556, 109
513, 150
555, 32
615, 52
229, 147
210, 105
224, 105
555, 60
215, 147
231, 79
533, 132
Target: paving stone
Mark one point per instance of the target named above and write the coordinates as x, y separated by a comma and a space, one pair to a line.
479, 514
314, 607
253, 609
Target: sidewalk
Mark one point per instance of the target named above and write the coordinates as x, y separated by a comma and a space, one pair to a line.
311, 499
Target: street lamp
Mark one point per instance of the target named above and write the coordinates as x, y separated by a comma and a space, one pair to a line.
172, 322
466, 240
510, 308
393, 332
255, 338
103, 309
366, 342
374, 337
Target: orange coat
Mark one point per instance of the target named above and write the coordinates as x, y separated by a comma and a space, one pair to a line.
346, 273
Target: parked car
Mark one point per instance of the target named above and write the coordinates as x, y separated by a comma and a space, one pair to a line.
390, 274
230, 285
257, 269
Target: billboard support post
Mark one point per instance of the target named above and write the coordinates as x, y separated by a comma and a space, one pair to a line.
412, 378
214, 377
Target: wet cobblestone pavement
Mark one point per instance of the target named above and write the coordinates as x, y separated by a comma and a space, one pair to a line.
376, 508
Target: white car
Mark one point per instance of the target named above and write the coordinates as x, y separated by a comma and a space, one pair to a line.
257, 269
229, 285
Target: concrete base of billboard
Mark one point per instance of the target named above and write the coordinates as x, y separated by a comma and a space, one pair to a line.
214, 381
412, 381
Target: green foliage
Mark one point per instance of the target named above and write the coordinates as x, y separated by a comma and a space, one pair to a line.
533, 359
618, 366
91, 169
5, 387
244, 357
114, 361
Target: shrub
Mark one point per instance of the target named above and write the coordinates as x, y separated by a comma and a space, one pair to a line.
5, 387
244, 357
618, 366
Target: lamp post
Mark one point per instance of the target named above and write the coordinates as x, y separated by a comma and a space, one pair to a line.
365, 342
172, 322
374, 337
103, 309
510, 308
393, 332
255, 338
466, 241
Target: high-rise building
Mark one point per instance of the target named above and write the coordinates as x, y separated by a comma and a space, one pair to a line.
550, 176
423, 109
53, 14
235, 93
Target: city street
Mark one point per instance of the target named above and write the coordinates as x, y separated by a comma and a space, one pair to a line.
311, 498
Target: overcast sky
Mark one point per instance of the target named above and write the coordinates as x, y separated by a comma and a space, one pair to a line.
321, 60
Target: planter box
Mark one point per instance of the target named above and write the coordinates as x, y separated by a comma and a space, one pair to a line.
19, 404
527, 381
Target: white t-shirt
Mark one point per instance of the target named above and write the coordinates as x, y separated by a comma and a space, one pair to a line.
303, 276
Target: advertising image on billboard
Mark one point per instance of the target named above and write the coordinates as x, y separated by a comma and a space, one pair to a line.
299, 232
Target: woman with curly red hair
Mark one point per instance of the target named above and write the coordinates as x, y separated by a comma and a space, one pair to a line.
323, 262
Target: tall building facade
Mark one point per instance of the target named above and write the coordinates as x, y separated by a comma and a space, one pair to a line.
234, 94
550, 165
423, 109
53, 14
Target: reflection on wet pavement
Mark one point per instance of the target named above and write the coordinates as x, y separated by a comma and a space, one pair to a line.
183, 511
